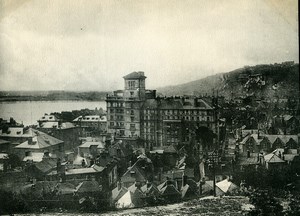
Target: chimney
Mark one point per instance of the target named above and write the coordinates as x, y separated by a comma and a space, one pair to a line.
148, 184
184, 180
46, 154
138, 185
119, 185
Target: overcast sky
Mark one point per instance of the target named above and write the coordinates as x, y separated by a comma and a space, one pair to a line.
91, 45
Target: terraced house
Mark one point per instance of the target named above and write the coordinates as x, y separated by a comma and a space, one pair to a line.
160, 121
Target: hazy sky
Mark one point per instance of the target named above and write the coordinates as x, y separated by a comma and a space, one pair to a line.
91, 45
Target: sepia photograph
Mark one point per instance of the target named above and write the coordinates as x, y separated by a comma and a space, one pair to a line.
149, 107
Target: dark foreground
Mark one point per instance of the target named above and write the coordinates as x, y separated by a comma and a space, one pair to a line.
229, 206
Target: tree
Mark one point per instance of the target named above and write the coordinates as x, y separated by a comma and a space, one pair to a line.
265, 204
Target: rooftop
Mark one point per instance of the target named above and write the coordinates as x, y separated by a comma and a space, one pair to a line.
135, 75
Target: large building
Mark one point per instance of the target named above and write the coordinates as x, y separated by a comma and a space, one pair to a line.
137, 113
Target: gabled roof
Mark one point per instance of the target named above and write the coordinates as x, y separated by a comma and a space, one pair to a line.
134, 173
169, 189
150, 188
116, 194
135, 75
126, 201
252, 137
283, 138
40, 140
226, 186
170, 149
273, 158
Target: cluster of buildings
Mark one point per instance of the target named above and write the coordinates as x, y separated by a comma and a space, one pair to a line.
136, 112
146, 150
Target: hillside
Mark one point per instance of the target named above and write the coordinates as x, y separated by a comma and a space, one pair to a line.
280, 80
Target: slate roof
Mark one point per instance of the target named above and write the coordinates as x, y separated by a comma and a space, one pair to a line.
88, 187
169, 189
138, 175
150, 188
117, 194
150, 104
273, 158
135, 75
226, 186
283, 138
79, 171
3, 142
46, 165
40, 140
65, 188
88, 144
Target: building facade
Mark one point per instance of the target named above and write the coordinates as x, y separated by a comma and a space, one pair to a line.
159, 121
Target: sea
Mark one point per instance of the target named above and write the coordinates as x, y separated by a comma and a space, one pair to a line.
28, 112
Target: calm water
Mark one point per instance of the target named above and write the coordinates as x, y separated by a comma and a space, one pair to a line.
29, 112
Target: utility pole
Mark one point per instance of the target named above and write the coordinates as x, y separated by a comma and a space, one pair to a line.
213, 158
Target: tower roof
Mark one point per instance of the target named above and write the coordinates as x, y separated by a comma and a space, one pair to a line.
135, 75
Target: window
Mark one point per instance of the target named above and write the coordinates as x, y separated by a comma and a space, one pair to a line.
112, 124
131, 84
132, 119
111, 117
131, 112
131, 93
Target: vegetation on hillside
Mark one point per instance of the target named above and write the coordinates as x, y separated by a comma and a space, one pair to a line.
274, 80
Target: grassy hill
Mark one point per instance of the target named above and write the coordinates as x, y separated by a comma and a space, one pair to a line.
280, 80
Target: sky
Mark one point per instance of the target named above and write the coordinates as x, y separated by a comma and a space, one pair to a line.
80, 45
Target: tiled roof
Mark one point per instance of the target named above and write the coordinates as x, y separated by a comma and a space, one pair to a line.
40, 140
135, 75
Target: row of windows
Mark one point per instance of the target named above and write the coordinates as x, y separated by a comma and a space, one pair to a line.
116, 110
118, 117
116, 124
115, 104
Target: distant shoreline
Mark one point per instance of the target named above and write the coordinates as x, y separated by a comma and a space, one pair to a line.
46, 100
52, 96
